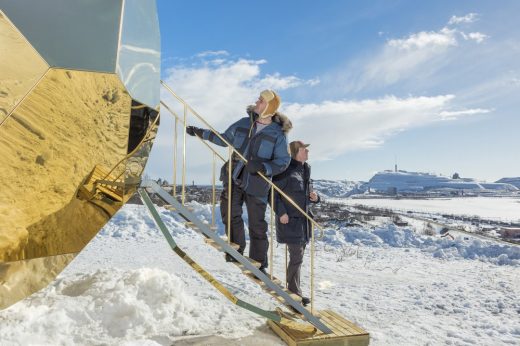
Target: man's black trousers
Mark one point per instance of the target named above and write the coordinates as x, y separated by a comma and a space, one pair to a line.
256, 207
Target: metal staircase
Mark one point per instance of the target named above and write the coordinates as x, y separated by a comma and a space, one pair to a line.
295, 316
248, 266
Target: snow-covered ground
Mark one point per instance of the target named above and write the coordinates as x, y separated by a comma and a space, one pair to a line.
503, 209
128, 288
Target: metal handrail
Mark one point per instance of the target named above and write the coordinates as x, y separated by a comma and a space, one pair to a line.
182, 122
230, 146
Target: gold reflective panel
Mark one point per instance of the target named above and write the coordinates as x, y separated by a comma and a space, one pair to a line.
20, 67
61, 178
22, 278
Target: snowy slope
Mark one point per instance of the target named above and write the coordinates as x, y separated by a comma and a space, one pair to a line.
493, 208
338, 188
127, 288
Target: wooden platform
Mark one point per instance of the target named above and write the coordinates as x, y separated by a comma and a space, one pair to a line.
345, 332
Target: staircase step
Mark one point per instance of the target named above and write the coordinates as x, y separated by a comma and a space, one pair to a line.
253, 262
292, 295
261, 283
213, 243
172, 208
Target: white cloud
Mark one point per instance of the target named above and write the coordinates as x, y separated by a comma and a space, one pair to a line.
419, 53
416, 56
443, 38
209, 53
475, 36
451, 115
469, 18
222, 91
336, 127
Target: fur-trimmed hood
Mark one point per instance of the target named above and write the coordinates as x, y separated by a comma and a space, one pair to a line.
279, 118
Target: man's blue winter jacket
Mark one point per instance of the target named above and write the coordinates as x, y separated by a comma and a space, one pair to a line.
268, 146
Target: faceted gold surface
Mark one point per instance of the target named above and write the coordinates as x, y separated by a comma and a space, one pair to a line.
71, 122
20, 67
72, 145
22, 278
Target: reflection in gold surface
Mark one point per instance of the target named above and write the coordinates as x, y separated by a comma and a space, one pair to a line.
69, 123
20, 67
22, 278
144, 124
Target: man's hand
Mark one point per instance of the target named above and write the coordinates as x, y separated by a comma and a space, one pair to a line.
194, 131
255, 167
284, 219
313, 196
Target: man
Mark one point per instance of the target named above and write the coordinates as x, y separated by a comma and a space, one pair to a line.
261, 139
292, 227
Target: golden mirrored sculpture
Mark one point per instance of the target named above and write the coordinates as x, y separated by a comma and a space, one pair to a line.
73, 145
20, 67
69, 123
22, 278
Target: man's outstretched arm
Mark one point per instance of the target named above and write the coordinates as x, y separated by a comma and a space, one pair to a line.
211, 136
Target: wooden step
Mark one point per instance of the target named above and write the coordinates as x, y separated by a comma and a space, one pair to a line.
261, 283
213, 243
292, 295
344, 332
172, 208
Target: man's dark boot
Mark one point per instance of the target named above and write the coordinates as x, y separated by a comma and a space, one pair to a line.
230, 258
264, 271
305, 301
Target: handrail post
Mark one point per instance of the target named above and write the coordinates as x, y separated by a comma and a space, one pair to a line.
184, 157
271, 252
213, 193
285, 265
175, 159
312, 268
230, 171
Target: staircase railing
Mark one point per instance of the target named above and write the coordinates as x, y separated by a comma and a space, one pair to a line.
187, 109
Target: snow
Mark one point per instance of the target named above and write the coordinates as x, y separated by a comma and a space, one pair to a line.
338, 188
128, 288
495, 208
459, 248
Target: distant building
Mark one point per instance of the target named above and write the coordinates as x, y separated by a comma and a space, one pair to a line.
392, 183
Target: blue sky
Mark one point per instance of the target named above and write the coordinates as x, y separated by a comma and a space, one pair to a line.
434, 85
